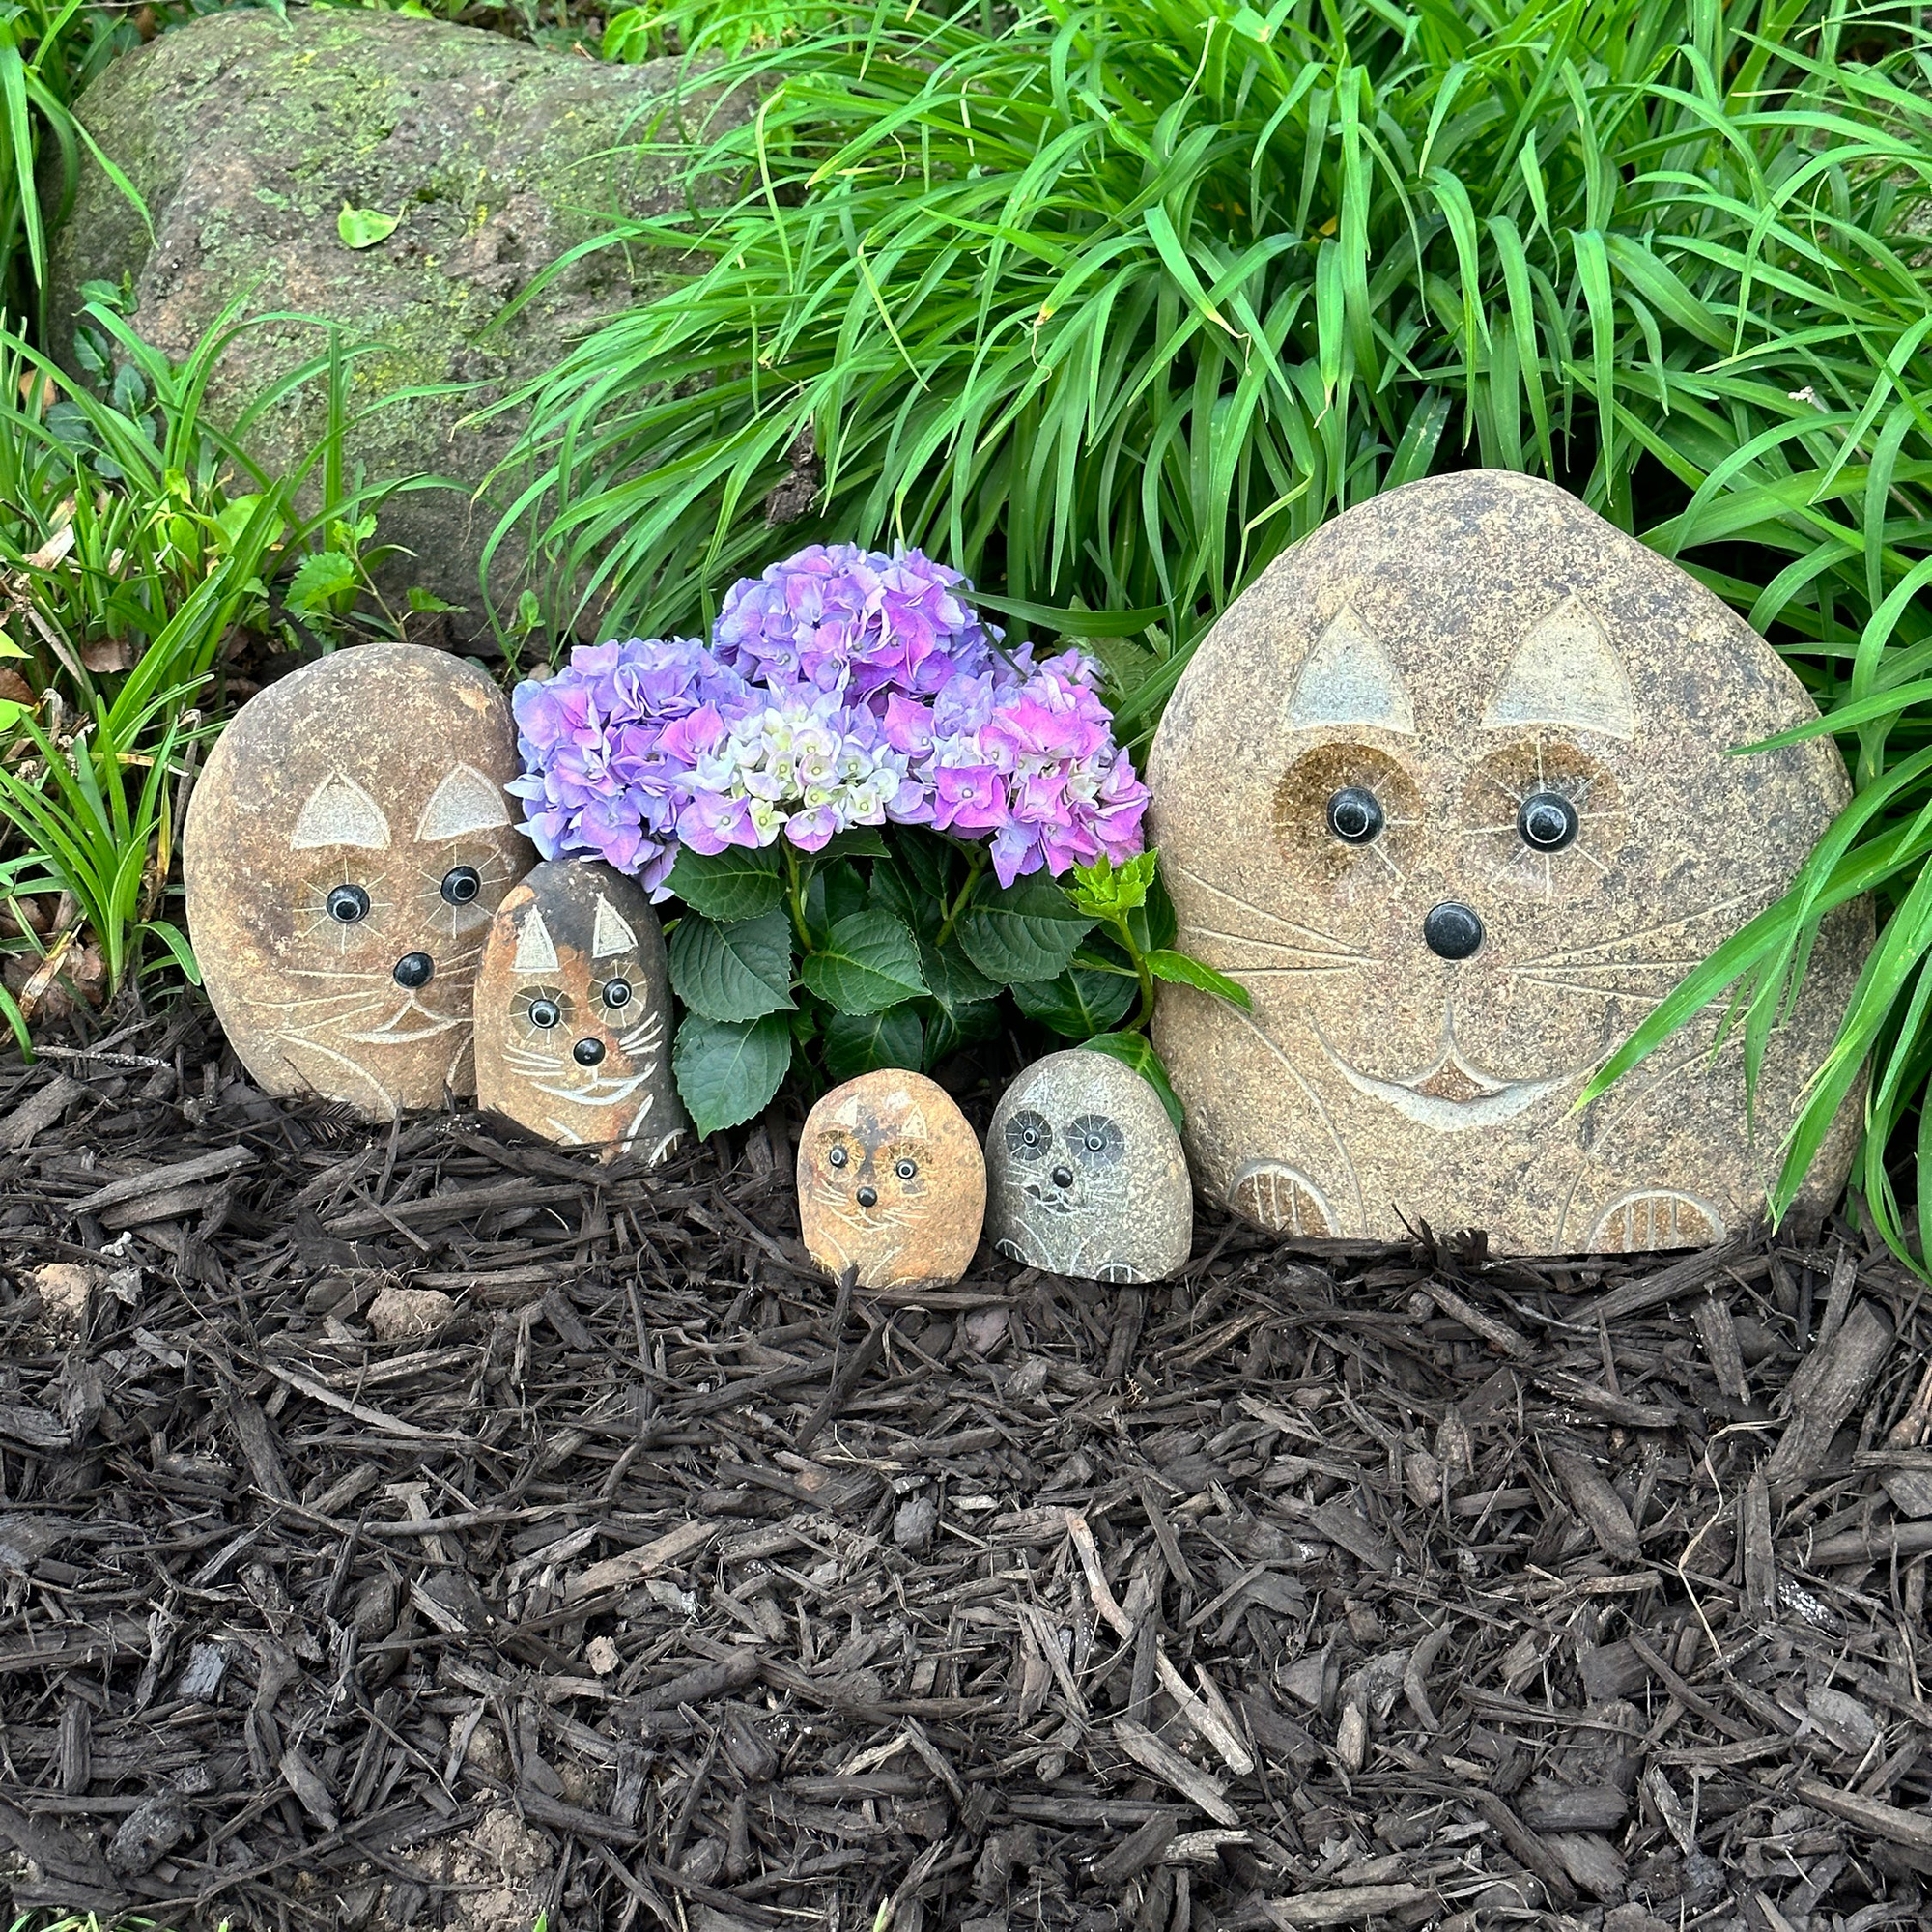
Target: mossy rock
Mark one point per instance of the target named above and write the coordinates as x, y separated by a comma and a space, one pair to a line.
246, 134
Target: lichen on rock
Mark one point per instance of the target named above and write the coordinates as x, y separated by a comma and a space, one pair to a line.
246, 134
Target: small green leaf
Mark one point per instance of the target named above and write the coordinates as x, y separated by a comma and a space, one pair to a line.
1179, 970
364, 227
857, 1044
948, 1030
950, 977
860, 841
1027, 931
1138, 1052
726, 1071
740, 970
740, 882
11, 714
319, 578
427, 604
869, 961
1078, 1004
1101, 888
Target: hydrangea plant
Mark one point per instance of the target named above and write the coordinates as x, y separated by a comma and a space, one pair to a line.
865, 805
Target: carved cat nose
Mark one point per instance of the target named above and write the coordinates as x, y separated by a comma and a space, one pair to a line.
1452, 931
587, 1052
414, 969
867, 1196
1062, 1176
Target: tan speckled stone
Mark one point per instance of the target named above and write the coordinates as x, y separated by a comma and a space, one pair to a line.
352, 828
572, 1013
1481, 653
1085, 1174
890, 1178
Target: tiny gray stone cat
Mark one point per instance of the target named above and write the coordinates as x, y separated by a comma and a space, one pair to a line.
1085, 1173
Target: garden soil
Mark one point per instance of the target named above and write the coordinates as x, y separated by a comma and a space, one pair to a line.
417, 1526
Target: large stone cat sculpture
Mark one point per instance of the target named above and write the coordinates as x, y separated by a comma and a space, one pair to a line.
1450, 789
345, 850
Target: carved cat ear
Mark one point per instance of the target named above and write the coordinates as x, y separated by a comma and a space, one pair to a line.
913, 1127
1349, 679
1566, 671
464, 802
537, 950
338, 811
610, 932
846, 1114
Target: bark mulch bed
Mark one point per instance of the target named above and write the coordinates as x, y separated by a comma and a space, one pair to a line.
624, 1570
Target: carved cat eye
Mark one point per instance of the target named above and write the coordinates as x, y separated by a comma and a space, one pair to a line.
616, 992
1103, 1141
461, 884
545, 1013
836, 1157
1547, 820
905, 1169
1028, 1136
1356, 815
346, 904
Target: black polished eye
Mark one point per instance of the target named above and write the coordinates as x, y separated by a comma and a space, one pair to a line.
905, 1169
1028, 1135
616, 992
1356, 815
461, 884
1100, 1136
545, 1013
836, 1157
346, 904
587, 1052
1547, 820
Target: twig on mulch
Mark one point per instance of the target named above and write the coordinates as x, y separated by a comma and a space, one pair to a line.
420, 1527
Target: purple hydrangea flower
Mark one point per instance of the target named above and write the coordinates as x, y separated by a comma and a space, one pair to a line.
846, 688
855, 621
606, 746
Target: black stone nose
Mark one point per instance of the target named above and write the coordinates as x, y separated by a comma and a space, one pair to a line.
868, 1197
414, 969
1452, 931
587, 1052
1062, 1176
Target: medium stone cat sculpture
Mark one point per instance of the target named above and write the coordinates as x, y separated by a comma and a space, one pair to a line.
345, 849
890, 1182
1449, 790
574, 1016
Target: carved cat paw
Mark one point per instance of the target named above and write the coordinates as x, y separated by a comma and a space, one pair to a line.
1655, 1219
1276, 1197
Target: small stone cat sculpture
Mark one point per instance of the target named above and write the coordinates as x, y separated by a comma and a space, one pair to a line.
1085, 1174
1450, 789
574, 1016
890, 1182
344, 849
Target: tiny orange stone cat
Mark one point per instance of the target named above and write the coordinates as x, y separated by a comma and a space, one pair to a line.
890, 1181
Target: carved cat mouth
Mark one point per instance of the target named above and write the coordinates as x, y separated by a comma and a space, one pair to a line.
1053, 1200
397, 1032
1451, 1095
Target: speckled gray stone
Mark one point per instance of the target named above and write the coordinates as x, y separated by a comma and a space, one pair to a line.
1084, 1175
1454, 649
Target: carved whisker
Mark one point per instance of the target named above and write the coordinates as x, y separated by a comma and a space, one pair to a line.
1326, 941
1272, 945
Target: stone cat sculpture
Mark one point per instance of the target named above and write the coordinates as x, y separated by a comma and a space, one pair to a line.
345, 849
890, 1181
572, 1013
1085, 1174
1449, 790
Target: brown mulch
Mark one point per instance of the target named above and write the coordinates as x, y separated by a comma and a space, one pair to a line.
642, 1578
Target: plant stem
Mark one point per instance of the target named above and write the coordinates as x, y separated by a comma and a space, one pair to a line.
795, 876
976, 870
1143, 1019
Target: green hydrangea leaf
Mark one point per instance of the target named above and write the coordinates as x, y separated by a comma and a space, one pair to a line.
735, 971
726, 1071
